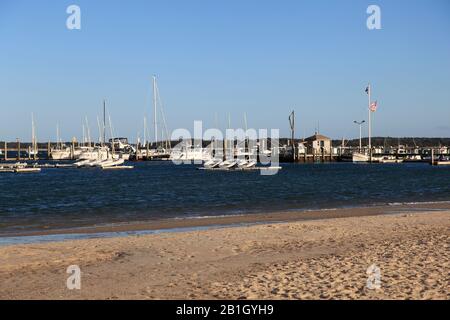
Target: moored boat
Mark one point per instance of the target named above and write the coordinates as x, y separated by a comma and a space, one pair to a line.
360, 157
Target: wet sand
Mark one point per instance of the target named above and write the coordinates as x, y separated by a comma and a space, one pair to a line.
233, 220
306, 259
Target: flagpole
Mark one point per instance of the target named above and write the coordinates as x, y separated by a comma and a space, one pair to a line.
370, 126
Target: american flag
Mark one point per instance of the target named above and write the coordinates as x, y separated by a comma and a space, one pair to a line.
373, 106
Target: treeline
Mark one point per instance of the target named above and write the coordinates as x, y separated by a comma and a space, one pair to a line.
395, 141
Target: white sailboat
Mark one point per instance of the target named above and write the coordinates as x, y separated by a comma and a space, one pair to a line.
100, 156
241, 163
212, 163
111, 163
82, 163
161, 148
240, 156
229, 161
61, 152
228, 164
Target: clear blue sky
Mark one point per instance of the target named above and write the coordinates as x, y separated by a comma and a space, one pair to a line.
260, 57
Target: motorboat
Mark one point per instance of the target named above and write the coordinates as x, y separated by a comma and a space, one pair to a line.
360, 157
390, 159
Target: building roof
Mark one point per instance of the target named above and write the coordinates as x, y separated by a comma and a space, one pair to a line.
317, 137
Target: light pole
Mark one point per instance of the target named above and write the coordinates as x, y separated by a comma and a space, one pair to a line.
360, 123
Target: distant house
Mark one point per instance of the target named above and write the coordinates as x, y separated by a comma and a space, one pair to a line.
318, 144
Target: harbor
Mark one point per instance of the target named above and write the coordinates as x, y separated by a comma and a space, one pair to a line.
229, 153
243, 152
304, 151
315, 149
213, 152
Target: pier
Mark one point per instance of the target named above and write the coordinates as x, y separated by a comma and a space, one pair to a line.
241, 169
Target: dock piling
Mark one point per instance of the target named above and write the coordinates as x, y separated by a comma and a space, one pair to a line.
18, 150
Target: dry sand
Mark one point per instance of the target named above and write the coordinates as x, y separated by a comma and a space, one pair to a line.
317, 259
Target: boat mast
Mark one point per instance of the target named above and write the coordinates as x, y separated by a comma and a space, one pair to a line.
155, 123
84, 135
145, 131
230, 142
245, 136
112, 135
104, 121
99, 131
370, 124
88, 132
292, 126
58, 146
164, 133
216, 120
32, 133
245, 122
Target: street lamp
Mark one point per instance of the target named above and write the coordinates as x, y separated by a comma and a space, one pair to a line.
360, 123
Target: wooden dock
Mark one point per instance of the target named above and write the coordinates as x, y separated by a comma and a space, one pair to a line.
19, 170
117, 168
27, 170
241, 169
441, 163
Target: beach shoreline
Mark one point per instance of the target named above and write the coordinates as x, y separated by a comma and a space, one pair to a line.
308, 259
206, 222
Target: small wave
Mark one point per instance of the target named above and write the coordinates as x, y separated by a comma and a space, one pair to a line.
209, 216
418, 202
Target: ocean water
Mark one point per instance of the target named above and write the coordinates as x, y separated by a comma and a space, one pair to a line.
70, 198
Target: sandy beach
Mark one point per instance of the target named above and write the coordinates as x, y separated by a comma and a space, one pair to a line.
306, 259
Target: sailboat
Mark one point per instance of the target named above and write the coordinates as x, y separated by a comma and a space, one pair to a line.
212, 163
228, 164
61, 152
161, 149
111, 163
101, 156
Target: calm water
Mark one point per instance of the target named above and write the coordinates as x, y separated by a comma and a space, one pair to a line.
58, 198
